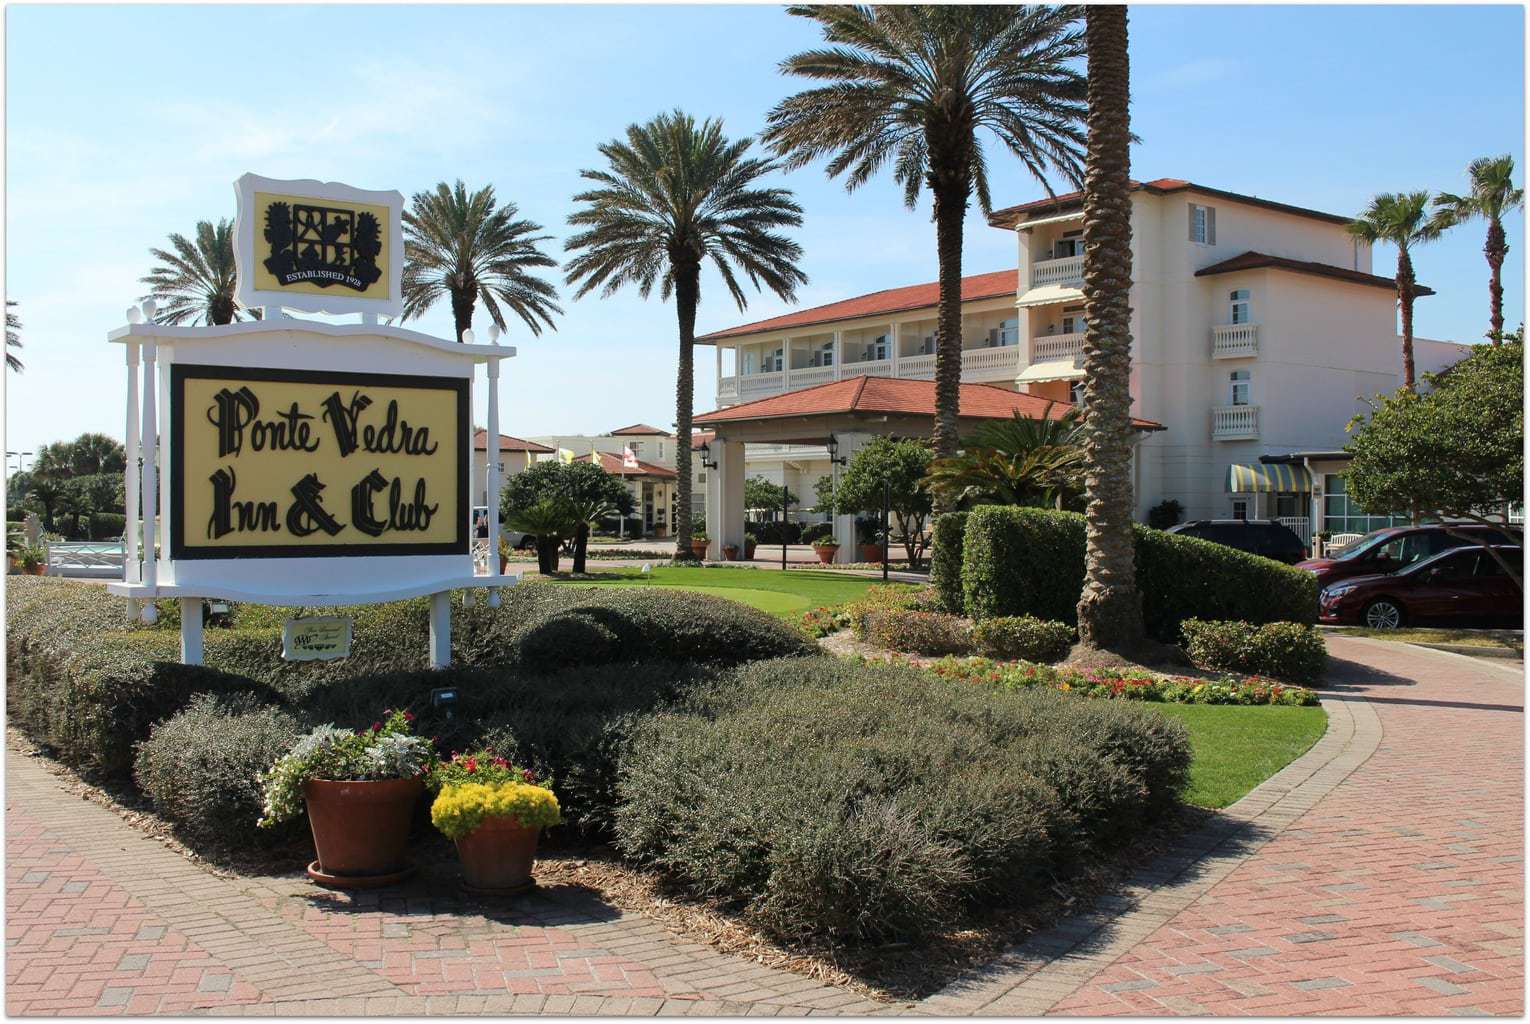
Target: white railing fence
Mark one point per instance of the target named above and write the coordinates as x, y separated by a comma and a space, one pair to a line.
1066, 271
87, 558
1234, 421
1230, 341
991, 360
1300, 525
1057, 346
811, 375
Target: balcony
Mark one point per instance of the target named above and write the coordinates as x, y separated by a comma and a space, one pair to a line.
1235, 423
1067, 272
1057, 346
978, 364
1234, 341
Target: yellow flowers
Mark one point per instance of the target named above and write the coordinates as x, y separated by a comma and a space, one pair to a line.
462, 807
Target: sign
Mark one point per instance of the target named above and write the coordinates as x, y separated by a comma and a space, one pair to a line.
316, 639
318, 247
278, 463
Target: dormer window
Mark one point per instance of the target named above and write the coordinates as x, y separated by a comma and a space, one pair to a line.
1203, 224
1239, 308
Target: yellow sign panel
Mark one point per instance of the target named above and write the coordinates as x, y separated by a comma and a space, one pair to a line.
321, 246
289, 463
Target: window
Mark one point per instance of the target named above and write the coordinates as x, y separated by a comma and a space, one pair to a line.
1203, 224
1070, 244
773, 362
825, 354
1288, 506
635, 447
876, 350
1240, 384
701, 476
1007, 333
1076, 392
1341, 515
1240, 508
1239, 299
751, 358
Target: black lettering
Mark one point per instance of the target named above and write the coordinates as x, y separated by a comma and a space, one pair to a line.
414, 516
342, 419
231, 412
397, 437
361, 504
230, 516
307, 513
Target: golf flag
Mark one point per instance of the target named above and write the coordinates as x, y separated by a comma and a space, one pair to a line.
565, 455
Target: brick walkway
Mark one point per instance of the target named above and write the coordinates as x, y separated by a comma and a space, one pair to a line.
1380, 873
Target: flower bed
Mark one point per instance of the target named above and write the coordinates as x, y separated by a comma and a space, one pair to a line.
1113, 684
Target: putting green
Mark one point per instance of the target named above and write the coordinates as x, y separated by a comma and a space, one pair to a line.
772, 601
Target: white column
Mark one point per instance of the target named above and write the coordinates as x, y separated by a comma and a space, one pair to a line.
893, 346
786, 364
725, 497
149, 481
441, 629
131, 570
844, 525
839, 357
491, 471
718, 349
191, 631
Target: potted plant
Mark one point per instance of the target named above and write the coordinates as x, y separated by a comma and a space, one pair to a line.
33, 558
730, 552
825, 549
699, 542
750, 541
494, 812
870, 539
360, 789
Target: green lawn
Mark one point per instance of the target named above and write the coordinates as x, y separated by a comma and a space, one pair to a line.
787, 594
1235, 747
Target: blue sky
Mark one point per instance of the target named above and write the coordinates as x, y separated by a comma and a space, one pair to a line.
126, 123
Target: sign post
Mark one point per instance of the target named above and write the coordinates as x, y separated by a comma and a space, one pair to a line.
307, 463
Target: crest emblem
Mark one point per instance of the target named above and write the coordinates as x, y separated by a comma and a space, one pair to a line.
324, 245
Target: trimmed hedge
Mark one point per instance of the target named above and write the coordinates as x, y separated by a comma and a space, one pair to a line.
1284, 650
946, 543
776, 532
817, 531
874, 802
918, 632
1024, 638
1030, 561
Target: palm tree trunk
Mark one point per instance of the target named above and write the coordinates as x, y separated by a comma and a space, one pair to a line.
1495, 250
1405, 296
1109, 609
581, 545
462, 310
950, 213
687, 294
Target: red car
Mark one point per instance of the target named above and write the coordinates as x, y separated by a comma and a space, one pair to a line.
1462, 587
1386, 551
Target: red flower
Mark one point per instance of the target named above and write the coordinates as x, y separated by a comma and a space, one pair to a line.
500, 762
408, 716
471, 764
526, 774
377, 727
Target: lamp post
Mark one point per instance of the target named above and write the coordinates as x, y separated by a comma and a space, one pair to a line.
835, 461
886, 522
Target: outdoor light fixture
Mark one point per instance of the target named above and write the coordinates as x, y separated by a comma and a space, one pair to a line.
706, 456
467, 336
834, 457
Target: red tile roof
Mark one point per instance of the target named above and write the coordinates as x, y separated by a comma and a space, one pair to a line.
702, 437
641, 429
883, 396
890, 300
612, 463
1260, 261
1013, 216
506, 443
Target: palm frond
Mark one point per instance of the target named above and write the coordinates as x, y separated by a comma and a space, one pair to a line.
196, 282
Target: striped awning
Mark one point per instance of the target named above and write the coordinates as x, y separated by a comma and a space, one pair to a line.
1271, 477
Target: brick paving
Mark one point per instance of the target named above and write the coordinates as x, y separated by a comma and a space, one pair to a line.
1381, 873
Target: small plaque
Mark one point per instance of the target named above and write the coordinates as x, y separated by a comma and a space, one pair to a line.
316, 639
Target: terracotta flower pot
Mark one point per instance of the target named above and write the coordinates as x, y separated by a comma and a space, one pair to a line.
497, 856
749, 546
826, 553
871, 552
504, 564
730, 552
361, 830
699, 548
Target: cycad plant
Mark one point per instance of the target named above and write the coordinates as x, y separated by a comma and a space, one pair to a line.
1401, 218
676, 194
1492, 195
195, 283
915, 87
467, 247
1019, 461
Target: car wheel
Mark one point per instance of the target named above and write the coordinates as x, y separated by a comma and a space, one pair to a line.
1383, 614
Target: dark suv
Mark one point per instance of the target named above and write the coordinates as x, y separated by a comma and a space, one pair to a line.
1256, 536
1386, 551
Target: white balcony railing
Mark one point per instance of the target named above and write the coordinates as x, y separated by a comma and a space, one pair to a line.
1234, 422
916, 367
1234, 341
868, 368
727, 387
1067, 272
808, 376
990, 363
759, 384
1057, 346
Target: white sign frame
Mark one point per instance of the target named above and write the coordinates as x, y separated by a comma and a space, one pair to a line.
248, 234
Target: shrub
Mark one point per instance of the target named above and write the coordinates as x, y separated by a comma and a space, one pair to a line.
202, 767
1165, 514
1030, 561
816, 532
881, 597
1114, 684
1024, 637
875, 802
1285, 650
946, 560
776, 532
919, 632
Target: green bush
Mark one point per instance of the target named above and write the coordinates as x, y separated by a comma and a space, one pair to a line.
777, 533
880, 803
918, 632
202, 767
107, 525
1285, 650
946, 541
1030, 561
817, 531
1023, 637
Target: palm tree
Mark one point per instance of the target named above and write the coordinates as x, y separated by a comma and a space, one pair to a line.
196, 283
677, 194
1019, 461
1401, 218
914, 85
1110, 608
12, 337
470, 248
1493, 194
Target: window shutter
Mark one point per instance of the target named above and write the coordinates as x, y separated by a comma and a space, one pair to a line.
1190, 209
1211, 225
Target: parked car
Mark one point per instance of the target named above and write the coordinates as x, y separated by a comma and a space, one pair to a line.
1256, 536
515, 538
1398, 547
1464, 586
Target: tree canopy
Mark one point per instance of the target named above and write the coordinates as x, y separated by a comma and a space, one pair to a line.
582, 491
863, 486
761, 493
